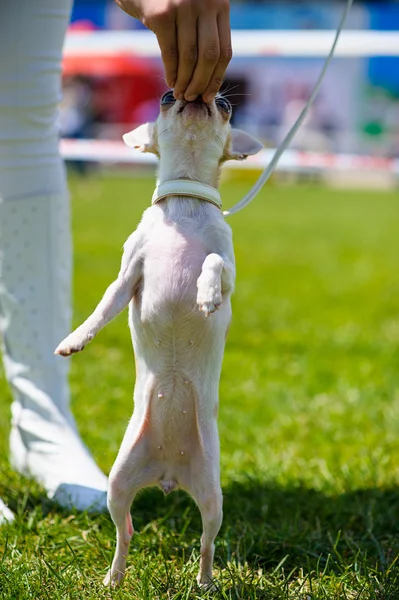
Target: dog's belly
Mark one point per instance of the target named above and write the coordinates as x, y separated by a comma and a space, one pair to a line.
171, 437
173, 433
178, 364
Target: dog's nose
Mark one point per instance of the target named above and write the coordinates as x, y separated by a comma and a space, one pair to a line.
198, 100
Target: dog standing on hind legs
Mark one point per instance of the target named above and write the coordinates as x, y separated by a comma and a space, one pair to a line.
177, 269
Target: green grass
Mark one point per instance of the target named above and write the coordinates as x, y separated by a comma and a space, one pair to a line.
309, 416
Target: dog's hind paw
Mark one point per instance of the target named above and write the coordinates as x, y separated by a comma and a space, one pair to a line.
113, 579
206, 584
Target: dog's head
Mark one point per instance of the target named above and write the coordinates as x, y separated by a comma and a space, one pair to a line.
194, 127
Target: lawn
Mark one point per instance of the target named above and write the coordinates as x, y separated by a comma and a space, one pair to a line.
309, 415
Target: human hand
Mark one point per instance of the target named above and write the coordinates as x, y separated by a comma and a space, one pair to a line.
194, 38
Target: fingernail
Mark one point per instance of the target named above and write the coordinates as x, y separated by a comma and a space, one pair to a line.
209, 98
178, 96
190, 98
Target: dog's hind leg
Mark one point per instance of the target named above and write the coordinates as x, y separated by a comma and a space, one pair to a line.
121, 493
128, 476
210, 503
132, 471
119, 507
206, 491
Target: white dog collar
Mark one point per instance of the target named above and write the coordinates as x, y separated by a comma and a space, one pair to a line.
186, 187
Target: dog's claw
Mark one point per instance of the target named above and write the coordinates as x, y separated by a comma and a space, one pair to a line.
67, 351
209, 307
61, 352
209, 300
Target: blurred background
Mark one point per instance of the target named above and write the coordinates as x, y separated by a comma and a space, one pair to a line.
111, 89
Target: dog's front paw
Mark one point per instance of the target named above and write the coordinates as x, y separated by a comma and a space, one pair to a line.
209, 306
209, 296
75, 342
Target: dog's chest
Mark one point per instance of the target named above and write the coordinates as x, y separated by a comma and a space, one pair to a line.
171, 266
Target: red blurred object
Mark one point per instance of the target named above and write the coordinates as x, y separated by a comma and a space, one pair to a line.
121, 84
119, 97
106, 65
83, 25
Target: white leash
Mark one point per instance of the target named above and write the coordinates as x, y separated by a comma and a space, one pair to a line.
288, 139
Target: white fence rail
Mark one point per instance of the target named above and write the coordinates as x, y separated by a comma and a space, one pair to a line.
114, 152
311, 43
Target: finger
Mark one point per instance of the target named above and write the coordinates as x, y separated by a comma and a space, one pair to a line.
208, 56
167, 40
224, 58
187, 49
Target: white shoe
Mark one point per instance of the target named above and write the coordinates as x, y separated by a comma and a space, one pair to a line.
53, 454
35, 273
6, 516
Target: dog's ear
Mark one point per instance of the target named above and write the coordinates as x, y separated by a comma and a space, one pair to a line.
143, 138
241, 145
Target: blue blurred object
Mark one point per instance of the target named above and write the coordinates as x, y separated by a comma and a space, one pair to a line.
384, 72
307, 15
94, 11
260, 15
244, 15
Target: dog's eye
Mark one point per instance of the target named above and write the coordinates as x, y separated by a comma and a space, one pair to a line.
223, 104
167, 98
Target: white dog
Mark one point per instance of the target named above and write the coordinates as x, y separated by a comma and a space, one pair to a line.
177, 269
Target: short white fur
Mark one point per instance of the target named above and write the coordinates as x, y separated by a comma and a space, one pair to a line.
177, 269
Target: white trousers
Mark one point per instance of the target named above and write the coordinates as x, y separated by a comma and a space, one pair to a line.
35, 251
